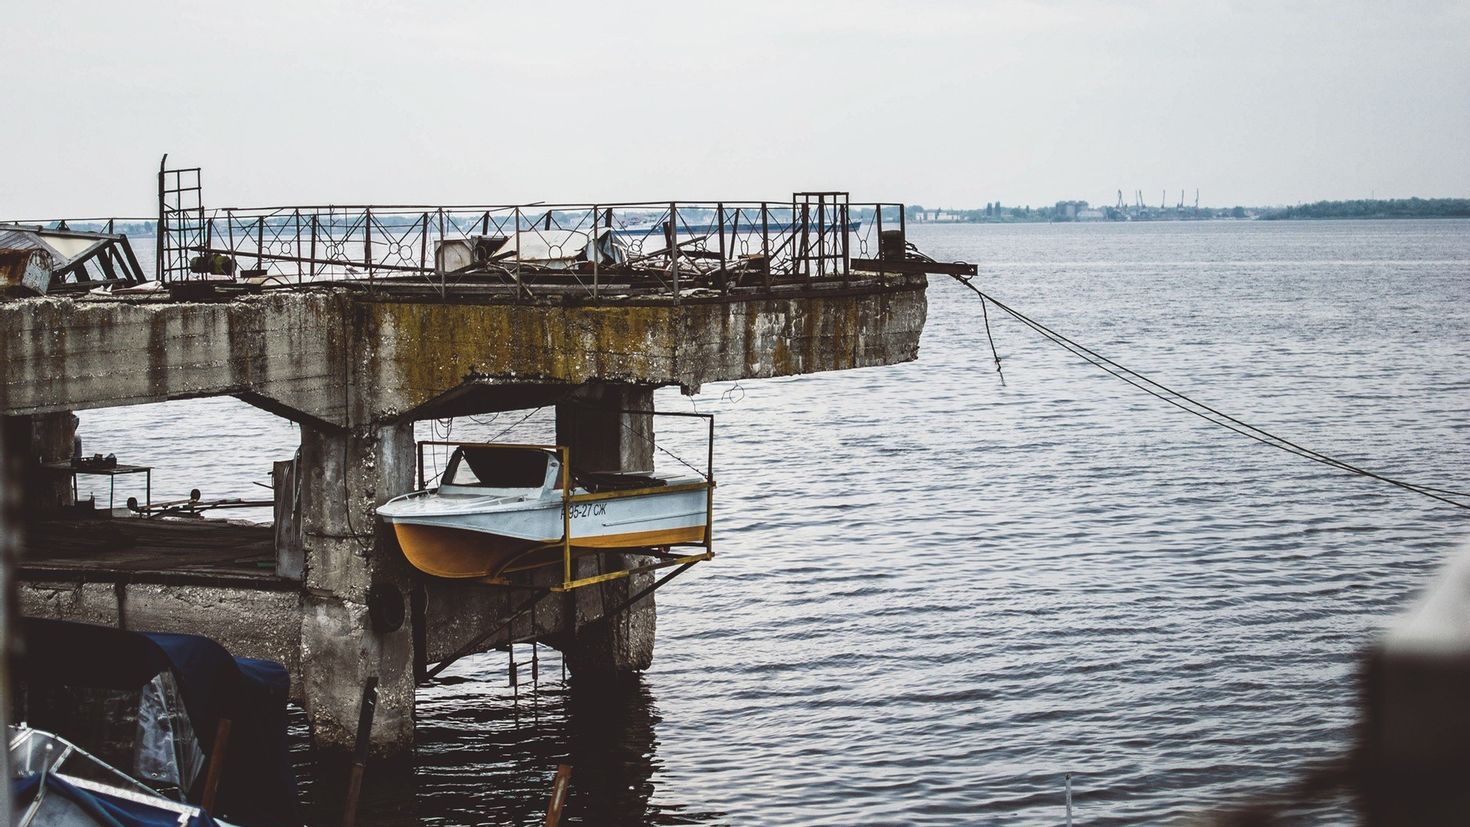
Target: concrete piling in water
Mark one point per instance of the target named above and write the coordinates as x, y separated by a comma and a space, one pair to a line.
346, 473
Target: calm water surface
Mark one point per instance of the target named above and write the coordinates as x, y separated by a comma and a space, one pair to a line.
936, 594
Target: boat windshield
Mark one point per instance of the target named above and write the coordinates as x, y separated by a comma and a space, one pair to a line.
497, 467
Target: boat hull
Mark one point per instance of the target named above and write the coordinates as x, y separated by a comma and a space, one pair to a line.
460, 553
492, 543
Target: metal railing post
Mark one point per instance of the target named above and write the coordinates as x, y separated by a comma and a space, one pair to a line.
566, 515
806, 236
367, 241
709, 495
766, 243
673, 237
160, 232
880, 239
424, 244
720, 227
821, 235
846, 240
311, 262
734, 237
296, 245
518, 253
596, 250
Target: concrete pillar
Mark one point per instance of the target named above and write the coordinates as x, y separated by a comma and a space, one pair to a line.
602, 437
290, 556
355, 621
619, 645
37, 439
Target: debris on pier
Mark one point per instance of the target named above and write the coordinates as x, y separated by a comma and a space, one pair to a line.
37, 261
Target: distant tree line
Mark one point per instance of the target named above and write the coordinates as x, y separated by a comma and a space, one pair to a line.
1378, 208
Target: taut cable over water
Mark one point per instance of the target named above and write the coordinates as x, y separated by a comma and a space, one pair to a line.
1197, 408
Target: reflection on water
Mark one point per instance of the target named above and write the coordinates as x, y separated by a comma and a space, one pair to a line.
487, 752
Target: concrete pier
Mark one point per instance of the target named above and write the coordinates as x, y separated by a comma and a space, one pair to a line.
336, 601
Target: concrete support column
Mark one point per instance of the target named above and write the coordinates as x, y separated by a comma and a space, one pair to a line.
355, 621
611, 647
603, 437
37, 439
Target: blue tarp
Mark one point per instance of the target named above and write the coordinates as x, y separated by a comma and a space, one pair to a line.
258, 788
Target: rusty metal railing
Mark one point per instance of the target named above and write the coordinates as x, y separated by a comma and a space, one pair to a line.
584, 250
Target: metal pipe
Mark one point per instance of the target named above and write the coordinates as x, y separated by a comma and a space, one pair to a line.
558, 795
360, 753
161, 231
215, 771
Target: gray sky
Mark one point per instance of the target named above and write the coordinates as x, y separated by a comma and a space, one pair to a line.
944, 103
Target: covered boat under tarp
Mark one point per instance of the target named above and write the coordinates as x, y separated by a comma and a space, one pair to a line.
58, 784
151, 703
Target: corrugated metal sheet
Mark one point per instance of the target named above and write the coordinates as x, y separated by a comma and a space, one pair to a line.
63, 249
18, 238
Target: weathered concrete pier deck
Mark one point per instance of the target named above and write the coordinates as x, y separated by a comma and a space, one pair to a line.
355, 363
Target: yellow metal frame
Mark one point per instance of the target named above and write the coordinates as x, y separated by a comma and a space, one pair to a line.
568, 499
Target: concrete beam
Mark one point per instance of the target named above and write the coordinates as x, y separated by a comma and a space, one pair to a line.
250, 623
341, 358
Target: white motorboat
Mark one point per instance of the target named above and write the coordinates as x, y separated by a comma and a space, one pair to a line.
505, 508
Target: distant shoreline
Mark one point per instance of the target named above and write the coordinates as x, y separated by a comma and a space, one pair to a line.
1083, 212
1376, 208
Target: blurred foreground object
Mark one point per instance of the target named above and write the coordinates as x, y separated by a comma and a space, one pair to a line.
1411, 750
1414, 745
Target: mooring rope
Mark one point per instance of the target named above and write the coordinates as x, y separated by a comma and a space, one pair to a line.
1209, 414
